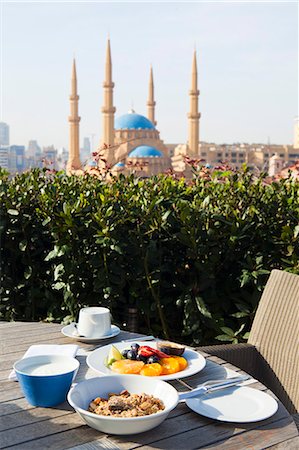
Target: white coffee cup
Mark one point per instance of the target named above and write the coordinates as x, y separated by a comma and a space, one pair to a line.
94, 322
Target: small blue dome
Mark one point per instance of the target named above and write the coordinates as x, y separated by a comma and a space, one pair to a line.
120, 164
145, 151
133, 121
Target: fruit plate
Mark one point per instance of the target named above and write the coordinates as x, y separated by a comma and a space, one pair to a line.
95, 360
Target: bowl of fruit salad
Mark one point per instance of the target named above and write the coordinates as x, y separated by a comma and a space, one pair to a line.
161, 359
124, 404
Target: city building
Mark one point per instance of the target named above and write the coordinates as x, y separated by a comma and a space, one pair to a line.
62, 157
17, 158
4, 134
85, 151
33, 149
4, 157
33, 155
275, 165
49, 157
255, 156
86, 145
292, 171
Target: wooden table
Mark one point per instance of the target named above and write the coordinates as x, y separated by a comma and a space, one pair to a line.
26, 427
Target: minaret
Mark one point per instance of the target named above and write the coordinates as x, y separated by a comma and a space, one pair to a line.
108, 109
151, 100
74, 162
194, 115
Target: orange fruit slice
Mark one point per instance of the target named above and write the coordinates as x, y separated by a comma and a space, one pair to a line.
169, 365
182, 362
151, 370
127, 366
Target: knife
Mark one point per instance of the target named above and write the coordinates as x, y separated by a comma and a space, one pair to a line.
211, 386
140, 338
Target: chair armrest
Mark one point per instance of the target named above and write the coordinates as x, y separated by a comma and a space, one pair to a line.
244, 356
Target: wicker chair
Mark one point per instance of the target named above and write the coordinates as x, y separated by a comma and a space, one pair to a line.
271, 355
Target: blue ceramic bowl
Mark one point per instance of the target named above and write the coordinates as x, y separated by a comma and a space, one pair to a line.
45, 380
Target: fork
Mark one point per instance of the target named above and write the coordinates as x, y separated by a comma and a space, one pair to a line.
213, 385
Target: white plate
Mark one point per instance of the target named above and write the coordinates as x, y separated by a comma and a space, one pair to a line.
95, 360
235, 404
70, 331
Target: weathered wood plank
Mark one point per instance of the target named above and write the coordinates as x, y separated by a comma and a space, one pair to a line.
43, 428
47, 338
23, 347
34, 415
28, 335
270, 433
4, 324
200, 438
62, 440
7, 386
16, 327
182, 435
14, 406
289, 444
173, 425
99, 444
11, 394
20, 333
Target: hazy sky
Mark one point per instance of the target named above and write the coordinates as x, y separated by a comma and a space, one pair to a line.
247, 63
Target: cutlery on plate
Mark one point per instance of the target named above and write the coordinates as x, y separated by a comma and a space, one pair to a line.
140, 338
211, 386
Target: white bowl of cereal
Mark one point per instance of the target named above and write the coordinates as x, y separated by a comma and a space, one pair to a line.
137, 405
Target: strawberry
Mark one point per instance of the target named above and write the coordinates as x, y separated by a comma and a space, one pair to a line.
145, 351
149, 351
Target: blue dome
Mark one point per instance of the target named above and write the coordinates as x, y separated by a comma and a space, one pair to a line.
145, 151
133, 121
120, 164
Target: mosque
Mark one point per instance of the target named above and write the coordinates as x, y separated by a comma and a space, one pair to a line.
132, 142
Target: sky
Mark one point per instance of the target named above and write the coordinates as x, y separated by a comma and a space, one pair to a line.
247, 55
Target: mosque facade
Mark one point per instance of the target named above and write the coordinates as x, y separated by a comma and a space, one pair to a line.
132, 142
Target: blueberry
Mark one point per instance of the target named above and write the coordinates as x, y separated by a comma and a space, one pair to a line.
152, 359
131, 355
141, 358
135, 347
125, 353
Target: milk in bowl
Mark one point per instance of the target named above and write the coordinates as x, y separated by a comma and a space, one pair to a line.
46, 379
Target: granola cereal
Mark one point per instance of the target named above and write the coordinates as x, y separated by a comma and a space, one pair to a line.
126, 405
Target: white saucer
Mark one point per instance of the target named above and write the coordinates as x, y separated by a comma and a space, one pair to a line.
70, 331
234, 404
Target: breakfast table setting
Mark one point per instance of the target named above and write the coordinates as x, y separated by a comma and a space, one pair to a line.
90, 385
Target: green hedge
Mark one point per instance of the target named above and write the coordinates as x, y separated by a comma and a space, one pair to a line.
193, 257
